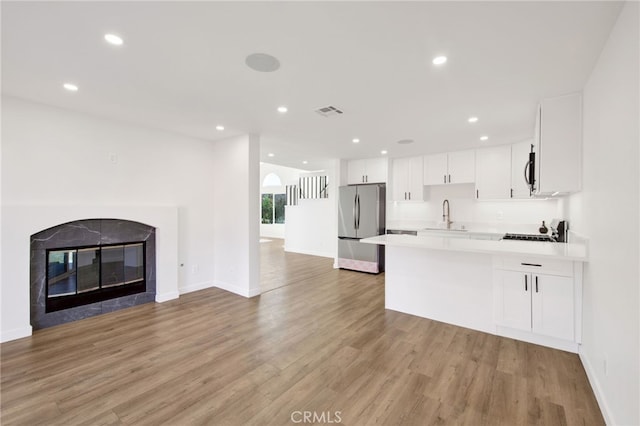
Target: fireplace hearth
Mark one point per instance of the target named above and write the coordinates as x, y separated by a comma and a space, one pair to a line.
89, 267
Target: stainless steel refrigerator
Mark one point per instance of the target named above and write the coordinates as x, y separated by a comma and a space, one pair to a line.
361, 214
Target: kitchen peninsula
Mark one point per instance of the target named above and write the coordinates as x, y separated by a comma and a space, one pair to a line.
530, 291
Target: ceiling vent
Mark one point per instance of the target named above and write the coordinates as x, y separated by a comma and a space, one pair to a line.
328, 111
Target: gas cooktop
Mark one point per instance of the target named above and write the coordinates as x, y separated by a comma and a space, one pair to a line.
528, 237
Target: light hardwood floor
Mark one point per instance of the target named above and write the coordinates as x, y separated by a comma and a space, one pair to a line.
279, 268
323, 342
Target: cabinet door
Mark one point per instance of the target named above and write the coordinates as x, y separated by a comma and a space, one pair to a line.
552, 305
355, 171
376, 170
519, 161
493, 172
560, 153
512, 299
415, 179
407, 179
399, 177
435, 169
462, 167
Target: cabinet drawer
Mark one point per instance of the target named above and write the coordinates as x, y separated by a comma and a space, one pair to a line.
538, 265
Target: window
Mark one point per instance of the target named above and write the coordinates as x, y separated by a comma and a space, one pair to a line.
272, 179
273, 208
267, 208
279, 201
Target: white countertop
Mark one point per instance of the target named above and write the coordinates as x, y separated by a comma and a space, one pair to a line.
565, 251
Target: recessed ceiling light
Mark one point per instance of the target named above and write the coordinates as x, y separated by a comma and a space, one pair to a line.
405, 141
262, 62
282, 109
220, 128
113, 39
383, 152
305, 162
70, 87
473, 119
271, 154
355, 140
439, 60
484, 138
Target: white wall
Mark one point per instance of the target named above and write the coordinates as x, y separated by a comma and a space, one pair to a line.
288, 176
236, 222
59, 166
312, 225
507, 215
19, 222
607, 213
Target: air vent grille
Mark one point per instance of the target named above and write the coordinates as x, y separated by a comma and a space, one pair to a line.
329, 111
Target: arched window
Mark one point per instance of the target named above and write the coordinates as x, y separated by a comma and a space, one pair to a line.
272, 179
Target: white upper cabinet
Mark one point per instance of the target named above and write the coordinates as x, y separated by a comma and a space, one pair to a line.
519, 163
559, 145
406, 175
493, 172
451, 167
435, 169
370, 170
462, 167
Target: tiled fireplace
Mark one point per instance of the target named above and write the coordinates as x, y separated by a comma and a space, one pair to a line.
88, 267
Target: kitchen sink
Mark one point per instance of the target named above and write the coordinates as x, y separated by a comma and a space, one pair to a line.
445, 230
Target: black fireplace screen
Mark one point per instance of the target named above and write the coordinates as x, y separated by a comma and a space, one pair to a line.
81, 275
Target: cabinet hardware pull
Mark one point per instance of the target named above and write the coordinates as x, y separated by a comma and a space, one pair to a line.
409, 195
449, 178
531, 264
511, 192
477, 193
405, 195
526, 287
444, 178
536, 284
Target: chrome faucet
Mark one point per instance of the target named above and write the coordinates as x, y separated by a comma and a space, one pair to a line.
446, 215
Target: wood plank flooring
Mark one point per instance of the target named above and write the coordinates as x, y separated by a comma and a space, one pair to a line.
321, 343
279, 268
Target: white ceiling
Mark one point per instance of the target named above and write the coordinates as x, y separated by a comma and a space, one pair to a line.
182, 68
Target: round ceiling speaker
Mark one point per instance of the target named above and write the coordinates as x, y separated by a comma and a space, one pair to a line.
262, 62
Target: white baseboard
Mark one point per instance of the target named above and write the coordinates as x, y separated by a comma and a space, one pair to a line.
252, 292
195, 287
597, 389
537, 339
309, 252
164, 297
16, 333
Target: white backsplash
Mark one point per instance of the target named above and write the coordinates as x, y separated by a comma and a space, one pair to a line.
503, 216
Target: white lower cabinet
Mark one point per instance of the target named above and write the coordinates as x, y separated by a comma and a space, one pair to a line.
552, 306
536, 302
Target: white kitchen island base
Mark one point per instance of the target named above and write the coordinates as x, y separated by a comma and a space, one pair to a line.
452, 287
528, 291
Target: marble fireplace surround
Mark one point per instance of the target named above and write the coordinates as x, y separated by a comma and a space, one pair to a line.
89, 232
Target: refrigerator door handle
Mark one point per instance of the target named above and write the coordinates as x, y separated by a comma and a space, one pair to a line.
358, 216
355, 222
